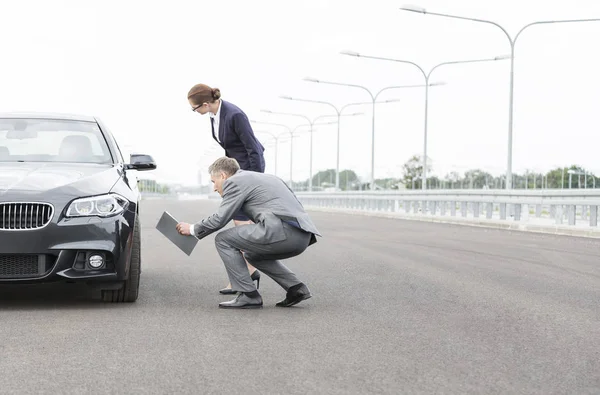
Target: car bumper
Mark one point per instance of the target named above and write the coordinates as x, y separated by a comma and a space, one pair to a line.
61, 250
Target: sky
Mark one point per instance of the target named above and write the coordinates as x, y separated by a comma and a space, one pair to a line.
132, 64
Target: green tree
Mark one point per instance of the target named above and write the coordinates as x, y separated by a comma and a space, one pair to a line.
147, 185
559, 177
152, 186
388, 183
477, 178
534, 179
326, 178
413, 170
435, 182
555, 177
452, 180
348, 179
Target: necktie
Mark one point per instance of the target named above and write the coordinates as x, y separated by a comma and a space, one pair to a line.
212, 125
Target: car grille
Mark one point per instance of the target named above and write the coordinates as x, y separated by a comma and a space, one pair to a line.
20, 266
25, 216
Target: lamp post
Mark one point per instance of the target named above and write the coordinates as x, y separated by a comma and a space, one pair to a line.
579, 173
311, 129
426, 75
339, 115
512, 42
571, 172
291, 144
373, 102
276, 138
311, 123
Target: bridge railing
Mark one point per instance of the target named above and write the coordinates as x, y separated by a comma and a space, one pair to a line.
560, 206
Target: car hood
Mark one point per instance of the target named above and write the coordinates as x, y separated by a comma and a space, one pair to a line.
76, 179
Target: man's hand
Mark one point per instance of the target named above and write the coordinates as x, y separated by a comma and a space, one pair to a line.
184, 228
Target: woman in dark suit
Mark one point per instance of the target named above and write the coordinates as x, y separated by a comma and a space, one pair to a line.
232, 131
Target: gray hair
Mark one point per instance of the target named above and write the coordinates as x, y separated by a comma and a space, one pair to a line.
225, 165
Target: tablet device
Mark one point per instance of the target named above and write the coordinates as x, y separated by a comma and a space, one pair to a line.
167, 226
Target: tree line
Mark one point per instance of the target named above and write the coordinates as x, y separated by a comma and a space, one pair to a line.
411, 177
477, 178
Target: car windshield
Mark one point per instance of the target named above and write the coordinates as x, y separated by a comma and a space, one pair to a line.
49, 140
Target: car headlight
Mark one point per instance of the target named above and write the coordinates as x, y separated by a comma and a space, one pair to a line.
101, 206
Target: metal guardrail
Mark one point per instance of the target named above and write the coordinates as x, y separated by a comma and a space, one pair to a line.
517, 205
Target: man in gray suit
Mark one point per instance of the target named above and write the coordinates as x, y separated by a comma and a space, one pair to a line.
281, 230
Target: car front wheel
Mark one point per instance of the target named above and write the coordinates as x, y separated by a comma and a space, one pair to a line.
129, 292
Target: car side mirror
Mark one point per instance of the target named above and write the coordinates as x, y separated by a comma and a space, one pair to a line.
141, 162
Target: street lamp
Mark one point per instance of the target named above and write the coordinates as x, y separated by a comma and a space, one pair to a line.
580, 173
292, 134
311, 123
276, 138
291, 144
426, 75
311, 130
373, 101
339, 115
571, 172
512, 42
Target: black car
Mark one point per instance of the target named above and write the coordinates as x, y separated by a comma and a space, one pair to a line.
69, 204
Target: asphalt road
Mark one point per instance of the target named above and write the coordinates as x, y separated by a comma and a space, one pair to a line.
398, 307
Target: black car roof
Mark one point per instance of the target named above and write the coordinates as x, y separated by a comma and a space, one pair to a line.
47, 115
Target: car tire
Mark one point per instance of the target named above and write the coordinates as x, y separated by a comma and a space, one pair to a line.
129, 292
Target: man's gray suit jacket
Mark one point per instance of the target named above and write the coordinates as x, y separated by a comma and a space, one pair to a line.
266, 200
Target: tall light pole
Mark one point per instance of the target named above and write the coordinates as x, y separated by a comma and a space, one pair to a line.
276, 138
291, 144
339, 115
426, 75
512, 42
373, 101
311, 123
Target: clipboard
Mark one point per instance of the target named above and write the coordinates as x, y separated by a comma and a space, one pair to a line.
167, 226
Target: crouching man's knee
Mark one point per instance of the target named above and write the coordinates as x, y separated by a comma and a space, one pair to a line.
222, 239
219, 238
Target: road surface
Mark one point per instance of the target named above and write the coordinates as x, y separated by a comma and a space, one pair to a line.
398, 307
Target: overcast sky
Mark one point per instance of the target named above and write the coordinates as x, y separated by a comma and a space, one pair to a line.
132, 63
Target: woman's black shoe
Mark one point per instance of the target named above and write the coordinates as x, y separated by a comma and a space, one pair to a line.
255, 277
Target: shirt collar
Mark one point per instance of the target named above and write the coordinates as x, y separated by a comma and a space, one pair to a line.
218, 114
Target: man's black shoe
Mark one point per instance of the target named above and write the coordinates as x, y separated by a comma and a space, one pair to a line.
243, 301
295, 295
